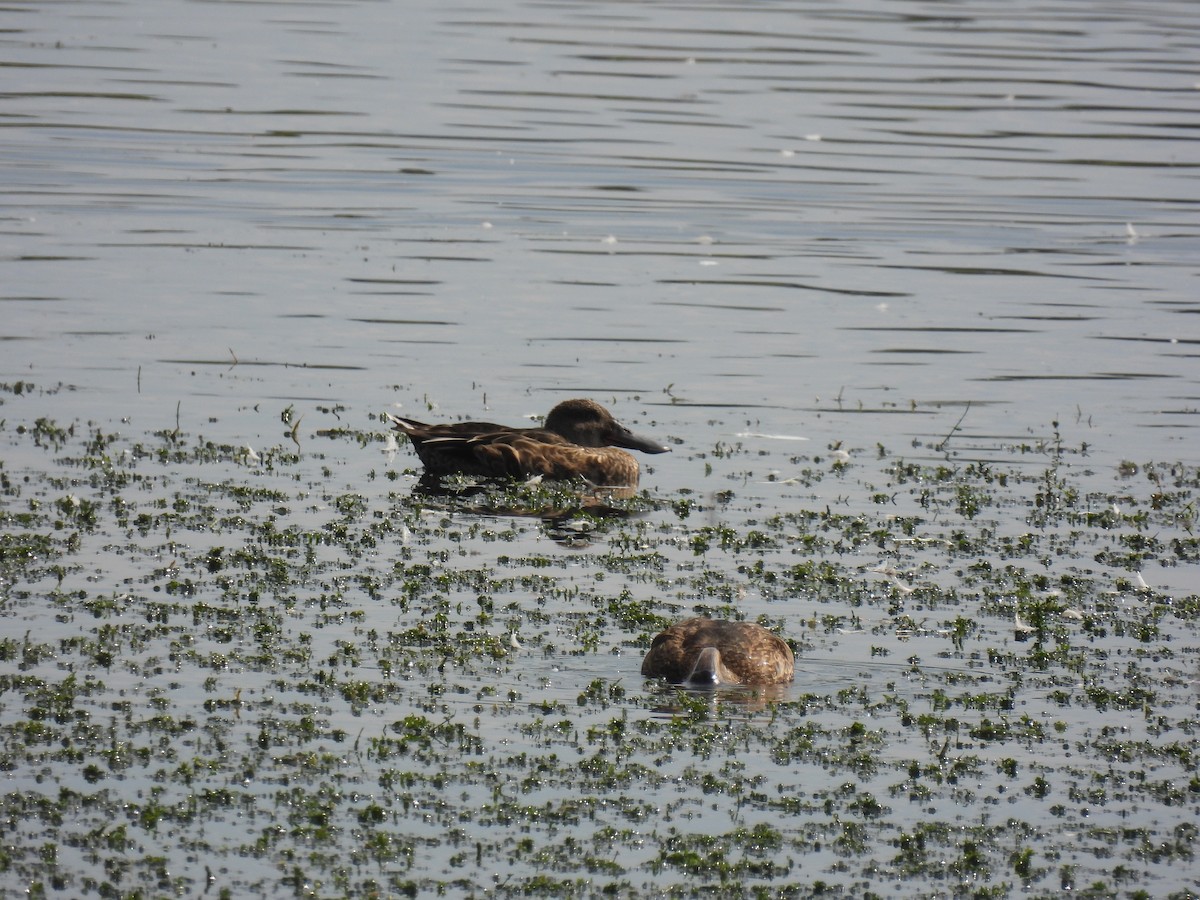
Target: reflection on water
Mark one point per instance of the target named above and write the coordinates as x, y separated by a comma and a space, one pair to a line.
764, 209
685, 699
570, 512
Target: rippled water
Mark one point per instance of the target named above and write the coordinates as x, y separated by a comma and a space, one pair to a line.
845, 223
955, 231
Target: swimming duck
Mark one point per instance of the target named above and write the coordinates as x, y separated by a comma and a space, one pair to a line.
578, 440
705, 652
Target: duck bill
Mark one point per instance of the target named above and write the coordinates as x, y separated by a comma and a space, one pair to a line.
623, 437
707, 670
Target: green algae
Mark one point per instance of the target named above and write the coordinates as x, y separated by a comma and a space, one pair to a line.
239, 670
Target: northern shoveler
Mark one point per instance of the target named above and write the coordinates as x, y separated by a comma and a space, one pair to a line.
578, 440
705, 652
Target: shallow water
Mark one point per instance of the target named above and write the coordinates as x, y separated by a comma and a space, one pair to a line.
903, 231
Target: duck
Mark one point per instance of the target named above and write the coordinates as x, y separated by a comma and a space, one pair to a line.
709, 652
579, 439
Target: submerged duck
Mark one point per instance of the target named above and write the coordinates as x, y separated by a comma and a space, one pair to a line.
578, 440
705, 652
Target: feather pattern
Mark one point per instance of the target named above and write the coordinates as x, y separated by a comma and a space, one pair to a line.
717, 651
580, 439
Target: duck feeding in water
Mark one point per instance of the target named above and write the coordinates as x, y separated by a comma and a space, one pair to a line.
707, 652
579, 439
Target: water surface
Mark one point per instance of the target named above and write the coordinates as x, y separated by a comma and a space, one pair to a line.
772, 234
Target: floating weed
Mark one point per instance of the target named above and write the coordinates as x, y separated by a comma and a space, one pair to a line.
319, 684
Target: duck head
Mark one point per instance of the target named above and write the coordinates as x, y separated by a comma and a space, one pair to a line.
588, 424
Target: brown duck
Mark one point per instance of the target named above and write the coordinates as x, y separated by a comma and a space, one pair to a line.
578, 440
705, 652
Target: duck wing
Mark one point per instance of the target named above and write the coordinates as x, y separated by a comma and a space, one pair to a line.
421, 431
529, 453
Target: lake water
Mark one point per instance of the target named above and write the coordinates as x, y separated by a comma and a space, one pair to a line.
839, 223
953, 233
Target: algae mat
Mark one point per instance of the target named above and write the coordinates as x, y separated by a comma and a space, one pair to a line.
282, 671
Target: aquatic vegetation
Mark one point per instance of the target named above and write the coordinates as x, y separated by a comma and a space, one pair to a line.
257, 673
